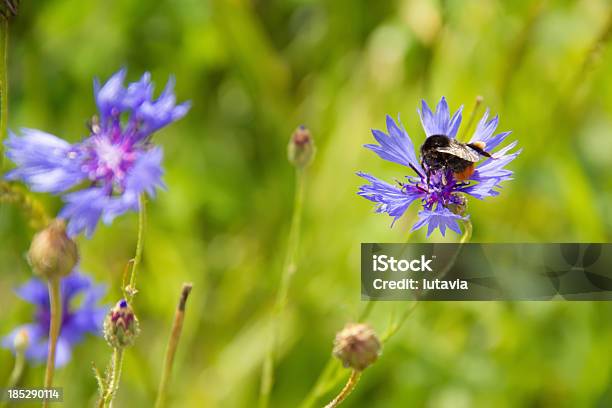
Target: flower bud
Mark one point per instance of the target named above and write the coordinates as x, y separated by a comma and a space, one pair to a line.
301, 148
357, 346
121, 325
52, 253
21, 341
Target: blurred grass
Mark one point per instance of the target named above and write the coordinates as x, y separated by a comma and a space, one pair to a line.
255, 70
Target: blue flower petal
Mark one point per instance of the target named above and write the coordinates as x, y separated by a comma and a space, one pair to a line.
155, 114
83, 210
145, 177
63, 352
440, 123
440, 218
45, 162
35, 292
106, 96
391, 199
117, 160
396, 147
74, 283
78, 318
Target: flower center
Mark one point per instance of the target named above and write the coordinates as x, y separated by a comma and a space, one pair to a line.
110, 156
109, 160
439, 188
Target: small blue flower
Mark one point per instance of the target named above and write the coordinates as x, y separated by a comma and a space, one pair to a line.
79, 316
110, 168
442, 195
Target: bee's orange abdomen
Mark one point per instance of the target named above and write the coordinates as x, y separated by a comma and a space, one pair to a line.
465, 174
480, 145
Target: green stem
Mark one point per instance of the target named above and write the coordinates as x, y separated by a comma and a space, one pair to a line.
366, 311
470, 122
130, 290
4, 34
467, 233
172, 345
17, 369
346, 391
55, 302
115, 372
16, 373
289, 268
329, 377
395, 326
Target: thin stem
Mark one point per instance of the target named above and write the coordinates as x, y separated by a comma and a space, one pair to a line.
290, 265
366, 311
467, 233
115, 372
130, 290
172, 345
17, 369
289, 268
394, 327
13, 381
346, 391
329, 376
4, 34
470, 122
55, 302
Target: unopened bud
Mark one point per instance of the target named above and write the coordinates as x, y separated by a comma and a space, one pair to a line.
357, 346
52, 253
21, 341
121, 325
301, 148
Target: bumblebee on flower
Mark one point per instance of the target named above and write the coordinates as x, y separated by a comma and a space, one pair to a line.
446, 172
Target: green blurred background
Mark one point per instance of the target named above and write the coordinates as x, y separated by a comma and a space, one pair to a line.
254, 70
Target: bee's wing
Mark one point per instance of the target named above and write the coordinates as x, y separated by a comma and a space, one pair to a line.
460, 150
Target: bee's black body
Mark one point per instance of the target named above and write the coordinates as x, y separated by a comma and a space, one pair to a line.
443, 152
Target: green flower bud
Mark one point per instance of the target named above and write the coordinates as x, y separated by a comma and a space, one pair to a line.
301, 148
121, 325
357, 346
52, 253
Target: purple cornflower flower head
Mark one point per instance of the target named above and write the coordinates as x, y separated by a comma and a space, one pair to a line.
79, 316
104, 175
441, 192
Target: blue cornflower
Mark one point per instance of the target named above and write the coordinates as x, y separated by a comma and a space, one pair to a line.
112, 166
79, 316
442, 195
